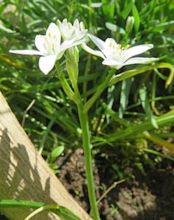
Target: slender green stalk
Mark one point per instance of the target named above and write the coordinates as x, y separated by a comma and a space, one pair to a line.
99, 91
88, 160
89, 14
74, 94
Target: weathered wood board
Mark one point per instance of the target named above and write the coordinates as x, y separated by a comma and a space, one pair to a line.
24, 174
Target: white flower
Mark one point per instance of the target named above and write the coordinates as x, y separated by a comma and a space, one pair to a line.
49, 46
75, 33
116, 56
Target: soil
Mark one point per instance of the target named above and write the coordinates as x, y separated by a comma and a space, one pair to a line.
148, 196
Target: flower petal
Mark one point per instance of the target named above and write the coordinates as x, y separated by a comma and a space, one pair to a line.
66, 44
53, 35
66, 29
93, 52
140, 60
47, 63
26, 52
76, 24
40, 44
71, 43
112, 63
98, 42
54, 30
133, 51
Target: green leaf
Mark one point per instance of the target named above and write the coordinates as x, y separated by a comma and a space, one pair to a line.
56, 152
129, 73
108, 8
136, 129
146, 106
61, 211
136, 17
128, 4
124, 96
20, 203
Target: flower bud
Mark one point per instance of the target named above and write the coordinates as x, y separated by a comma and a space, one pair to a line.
129, 24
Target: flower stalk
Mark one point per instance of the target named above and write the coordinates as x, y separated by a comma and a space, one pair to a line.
84, 124
83, 117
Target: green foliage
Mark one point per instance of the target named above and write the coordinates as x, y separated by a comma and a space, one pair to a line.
53, 156
137, 104
60, 211
56, 152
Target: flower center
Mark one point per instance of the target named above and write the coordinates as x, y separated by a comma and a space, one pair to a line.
50, 43
114, 50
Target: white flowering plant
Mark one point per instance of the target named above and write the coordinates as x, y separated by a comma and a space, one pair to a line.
64, 39
96, 83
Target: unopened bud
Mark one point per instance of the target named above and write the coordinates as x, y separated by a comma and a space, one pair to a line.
129, 24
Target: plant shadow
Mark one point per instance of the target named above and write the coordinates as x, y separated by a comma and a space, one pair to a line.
20, 178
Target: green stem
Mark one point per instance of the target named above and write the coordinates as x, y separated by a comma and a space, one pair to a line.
72, 69
98, 92
88, 160
89, 14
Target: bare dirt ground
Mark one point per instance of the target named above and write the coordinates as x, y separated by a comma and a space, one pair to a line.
145, 197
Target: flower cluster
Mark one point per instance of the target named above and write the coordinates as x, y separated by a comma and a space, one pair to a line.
51, 49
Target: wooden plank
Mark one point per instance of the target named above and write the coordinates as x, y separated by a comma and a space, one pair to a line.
24, 174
